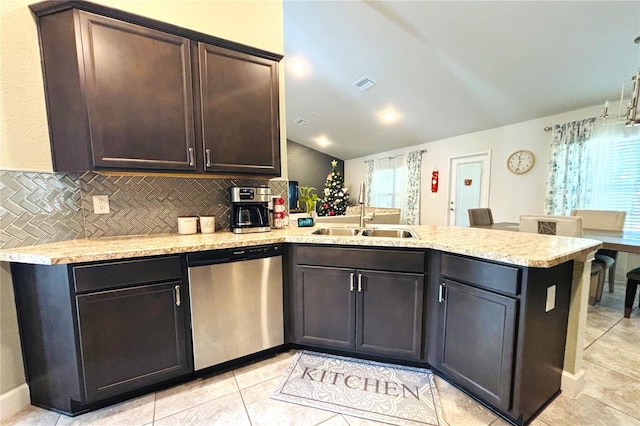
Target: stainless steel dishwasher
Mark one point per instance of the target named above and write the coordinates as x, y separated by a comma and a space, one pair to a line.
236, 302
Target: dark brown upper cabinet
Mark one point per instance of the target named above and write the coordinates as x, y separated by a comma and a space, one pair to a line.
239, 111
127, 93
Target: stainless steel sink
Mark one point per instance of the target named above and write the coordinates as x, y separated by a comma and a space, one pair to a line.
350, 232
366, 232
388, 233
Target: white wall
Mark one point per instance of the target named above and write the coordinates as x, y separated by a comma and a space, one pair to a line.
510, 195
24, 135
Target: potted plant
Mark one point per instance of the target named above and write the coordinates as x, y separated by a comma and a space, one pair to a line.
308, 197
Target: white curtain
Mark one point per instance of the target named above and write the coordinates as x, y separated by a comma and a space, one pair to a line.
369, 164
412, 204
567, 179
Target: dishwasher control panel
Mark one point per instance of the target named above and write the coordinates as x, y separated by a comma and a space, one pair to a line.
212, 257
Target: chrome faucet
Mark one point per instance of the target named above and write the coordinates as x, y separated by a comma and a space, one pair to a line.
361, 201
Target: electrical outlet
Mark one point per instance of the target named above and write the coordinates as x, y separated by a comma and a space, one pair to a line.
551, 298
101, 204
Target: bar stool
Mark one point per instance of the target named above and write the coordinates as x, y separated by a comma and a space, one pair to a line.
596, 273
633, 279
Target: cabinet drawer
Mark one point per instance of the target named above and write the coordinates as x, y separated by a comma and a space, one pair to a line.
124, 273
358, 258
500, 278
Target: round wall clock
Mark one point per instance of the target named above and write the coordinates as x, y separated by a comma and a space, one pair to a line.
521, 161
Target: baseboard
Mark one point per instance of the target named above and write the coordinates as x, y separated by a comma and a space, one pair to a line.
14, 401
572, 384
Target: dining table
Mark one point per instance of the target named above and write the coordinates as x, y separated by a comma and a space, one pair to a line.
625, 241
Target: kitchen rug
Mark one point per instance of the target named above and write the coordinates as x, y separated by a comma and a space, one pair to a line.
372, 390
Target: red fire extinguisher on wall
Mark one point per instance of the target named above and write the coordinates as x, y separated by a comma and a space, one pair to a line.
434, 180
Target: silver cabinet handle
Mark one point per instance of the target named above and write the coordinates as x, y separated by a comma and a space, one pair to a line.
192, 160
441, 294
351, 282
207, 153
359, 283
177, 290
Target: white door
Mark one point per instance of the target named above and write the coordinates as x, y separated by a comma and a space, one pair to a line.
469, 185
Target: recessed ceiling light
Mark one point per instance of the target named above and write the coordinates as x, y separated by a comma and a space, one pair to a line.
388, 115
322, 140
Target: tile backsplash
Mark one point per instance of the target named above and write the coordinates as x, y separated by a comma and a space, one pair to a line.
38, 208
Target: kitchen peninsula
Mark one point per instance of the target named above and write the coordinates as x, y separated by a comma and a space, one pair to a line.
535, 286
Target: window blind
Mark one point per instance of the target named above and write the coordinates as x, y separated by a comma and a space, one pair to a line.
614, 176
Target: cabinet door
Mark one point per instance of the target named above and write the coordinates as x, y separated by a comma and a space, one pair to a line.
389, 313
238, 111
477, 348
325, 307
139, 95
131, 338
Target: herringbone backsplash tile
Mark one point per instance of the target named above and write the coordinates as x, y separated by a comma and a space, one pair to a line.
152, 204
38, 208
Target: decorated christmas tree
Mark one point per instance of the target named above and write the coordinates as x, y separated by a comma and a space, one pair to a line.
335, 198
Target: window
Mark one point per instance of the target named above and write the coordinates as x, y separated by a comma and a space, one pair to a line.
388, 183
614, 172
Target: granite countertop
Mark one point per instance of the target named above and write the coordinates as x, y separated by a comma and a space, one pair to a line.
504, 246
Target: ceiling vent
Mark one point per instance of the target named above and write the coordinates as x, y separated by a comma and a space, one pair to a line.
301, 121
364, 83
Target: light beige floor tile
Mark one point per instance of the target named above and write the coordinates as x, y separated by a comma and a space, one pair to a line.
613, 300
584, 411
226, 410
537, 422
268, 412
459, 409
33, 416
626, 332
617, 390
263, 370
138, 411
500, 422
179, 398
618, 357
599, 321
359, 421
337, 420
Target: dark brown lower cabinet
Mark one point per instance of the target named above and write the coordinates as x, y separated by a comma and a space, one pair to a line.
141, 343
325, 307
478, 341
362, 310
91, 333
498, 331
389, 314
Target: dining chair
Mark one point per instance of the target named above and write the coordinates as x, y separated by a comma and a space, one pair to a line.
633, 279
480, 217
567, 226
604, 220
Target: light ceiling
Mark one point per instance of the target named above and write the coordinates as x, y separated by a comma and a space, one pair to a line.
448, 68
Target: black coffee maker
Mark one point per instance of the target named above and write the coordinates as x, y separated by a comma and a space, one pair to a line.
249, 209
